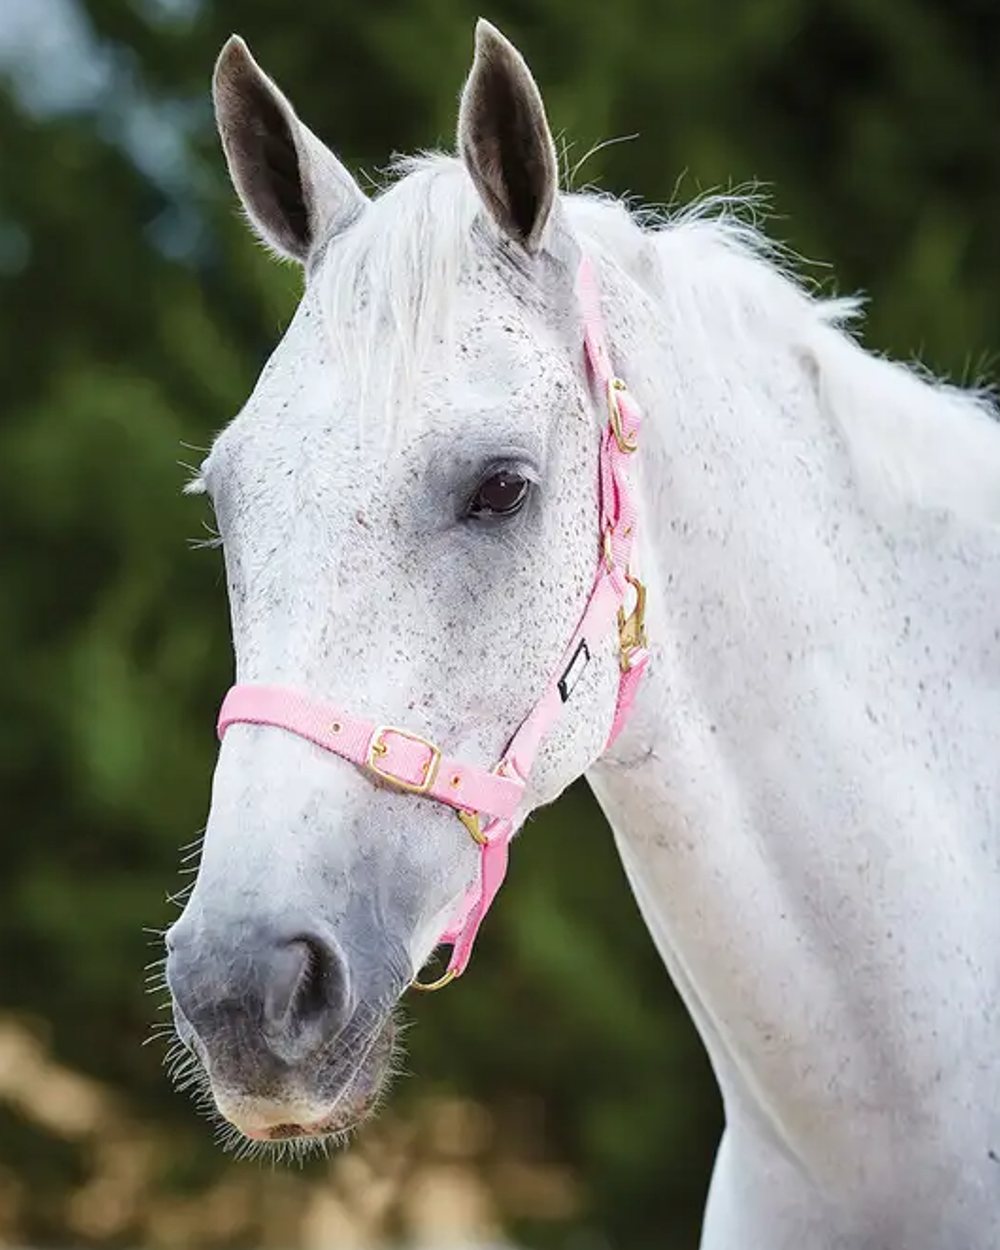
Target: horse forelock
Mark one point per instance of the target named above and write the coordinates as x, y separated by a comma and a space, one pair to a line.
387, 285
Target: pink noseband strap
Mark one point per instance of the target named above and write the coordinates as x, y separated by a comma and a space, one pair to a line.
487, 800
399, 758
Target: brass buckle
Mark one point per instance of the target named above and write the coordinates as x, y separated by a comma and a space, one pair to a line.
625, 444
378, 747
632, 628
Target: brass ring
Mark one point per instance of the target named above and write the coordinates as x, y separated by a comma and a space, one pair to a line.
428, 987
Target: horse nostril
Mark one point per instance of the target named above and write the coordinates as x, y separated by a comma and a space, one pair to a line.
287, 966
322, 980
290, 994
305, 995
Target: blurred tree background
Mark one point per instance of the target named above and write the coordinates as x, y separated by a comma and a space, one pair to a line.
561, 1098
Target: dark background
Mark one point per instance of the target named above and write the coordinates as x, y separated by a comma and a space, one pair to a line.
560, 1097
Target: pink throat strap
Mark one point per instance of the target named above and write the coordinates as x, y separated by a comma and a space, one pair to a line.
488, 800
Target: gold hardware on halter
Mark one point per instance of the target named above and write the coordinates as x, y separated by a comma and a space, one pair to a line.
378, 748
632, 628
473, 825
625, 444
609, 556
471, 820
428, 987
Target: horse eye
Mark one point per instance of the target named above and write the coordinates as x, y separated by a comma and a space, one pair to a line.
501, 494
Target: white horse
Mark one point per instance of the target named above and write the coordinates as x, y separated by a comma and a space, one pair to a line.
807, 797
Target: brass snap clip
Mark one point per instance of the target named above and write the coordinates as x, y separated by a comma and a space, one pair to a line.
632, 628
626, 444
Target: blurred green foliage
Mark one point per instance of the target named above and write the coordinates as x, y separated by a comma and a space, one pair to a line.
135, 314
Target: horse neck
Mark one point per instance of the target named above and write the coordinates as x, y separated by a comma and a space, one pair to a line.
784, 786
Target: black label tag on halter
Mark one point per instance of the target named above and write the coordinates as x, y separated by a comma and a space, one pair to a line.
574, 670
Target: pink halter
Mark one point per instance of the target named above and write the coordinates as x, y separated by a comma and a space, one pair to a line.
486, 801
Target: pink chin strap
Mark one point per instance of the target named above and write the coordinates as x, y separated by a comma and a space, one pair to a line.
487, 801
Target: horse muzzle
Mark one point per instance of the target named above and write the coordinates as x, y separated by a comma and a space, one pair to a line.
273, 1018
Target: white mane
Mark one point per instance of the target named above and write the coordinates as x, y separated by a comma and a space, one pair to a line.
391, 278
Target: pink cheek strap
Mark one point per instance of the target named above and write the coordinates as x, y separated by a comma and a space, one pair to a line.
488, 801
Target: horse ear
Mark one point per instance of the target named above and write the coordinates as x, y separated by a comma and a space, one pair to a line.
295, 191
505, 141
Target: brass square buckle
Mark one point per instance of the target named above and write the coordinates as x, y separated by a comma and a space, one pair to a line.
626, 443
377, 747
